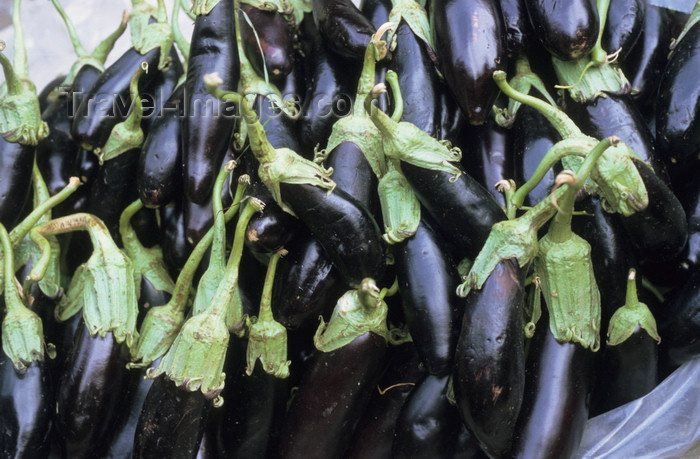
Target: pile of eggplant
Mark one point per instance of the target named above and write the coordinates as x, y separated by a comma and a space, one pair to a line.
427, 229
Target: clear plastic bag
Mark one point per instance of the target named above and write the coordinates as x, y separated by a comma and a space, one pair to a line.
663, 424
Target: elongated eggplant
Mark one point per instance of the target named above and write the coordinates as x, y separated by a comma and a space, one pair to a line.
463, 210
679, 324
568, 30
428, 279
469, 35
26, 402
330, 87
647, 58
107, 102
490, 359
331, 399
90, 391
159, 91
276, 47
344, 29
623, 26
375, 432
518, 30
174, 243
678, 104
208, 123
343, 225
428, 425
16, 161
555, 406
171, 422
159, 172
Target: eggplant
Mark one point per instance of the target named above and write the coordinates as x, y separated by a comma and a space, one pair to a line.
463, 210
489, 378
470, 37
171, 422
208, 123
343, 226
377, 11
159, 91
568, 30
428, 425
331, 398
175, 247
428, 280
16, 162
679, 324
90, 391
623, 27
275, 52
678, 106
48, 93
555, 405
344, 29
517, 27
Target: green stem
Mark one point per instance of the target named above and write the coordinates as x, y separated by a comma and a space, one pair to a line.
21, 66
133, 121
229, 282
265, 313
14, 84
180, 39
243, 58
560, 228
102, 50
648, 285
129, 238
598, 54
561, 122
631, 294
218, 248
393, 79
72, 33
11, 292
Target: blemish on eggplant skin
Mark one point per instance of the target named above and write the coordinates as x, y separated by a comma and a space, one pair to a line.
496, 390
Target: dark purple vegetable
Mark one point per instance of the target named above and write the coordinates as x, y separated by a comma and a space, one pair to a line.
568, 30
679, 324
428, 280
16, 161
208, 122
517, 27
276, 41
343, 27
489, 377
470, 37
623, 27
175, 247
331, 399
48, 94
159, 91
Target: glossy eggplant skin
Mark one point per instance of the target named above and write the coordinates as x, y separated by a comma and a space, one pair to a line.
679, 325
208, 122
276, 42
107, 102
353, 174
488, 155
555, 406
174, 243
90, 391
375, 432
568, 30
344, 29
428, 425
489, 378
344, 227
617, 115
659, 232
159, 91
171, 422
647, 58
517, 27
26, 404
159, 172
331, 82
533, 136
428, 281
306, 283
623, 26
470, 37
331, 398
462, 210
678, 104
418, 80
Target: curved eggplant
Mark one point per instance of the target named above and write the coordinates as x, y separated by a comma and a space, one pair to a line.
470, 38
276, 45
489, 379
331, 399
344, 29
568, 30
428, 280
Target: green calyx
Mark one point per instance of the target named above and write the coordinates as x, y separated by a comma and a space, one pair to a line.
203, 7
145, 36
267, 338
22, 330
400, 207
632, 315
162, 323
128, 134
105, 286
587, 82
357, 312
570, 290
617, 181
417, 19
